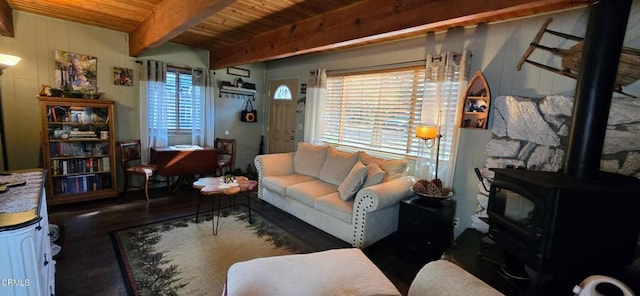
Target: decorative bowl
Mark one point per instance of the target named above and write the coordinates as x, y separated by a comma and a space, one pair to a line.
56, 92
95, 96
73, 94
83, 94
431, 197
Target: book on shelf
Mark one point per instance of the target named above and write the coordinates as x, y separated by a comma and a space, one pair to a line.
82, 134
81, 183
66, 149
106, 164
79, 166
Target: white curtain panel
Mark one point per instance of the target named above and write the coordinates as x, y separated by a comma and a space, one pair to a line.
314, 106
203, 97
153, 111
446, 79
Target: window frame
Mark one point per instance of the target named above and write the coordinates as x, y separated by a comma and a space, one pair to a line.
178, 123
410, 147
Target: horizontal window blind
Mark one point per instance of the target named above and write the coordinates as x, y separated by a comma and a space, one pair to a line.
182, 102
375, 110
380, 110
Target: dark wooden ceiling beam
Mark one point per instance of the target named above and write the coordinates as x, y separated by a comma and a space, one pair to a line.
169, 19
370, 20
6, 19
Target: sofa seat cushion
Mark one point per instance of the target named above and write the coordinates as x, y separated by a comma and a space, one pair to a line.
332, 205
308, 192
280, 183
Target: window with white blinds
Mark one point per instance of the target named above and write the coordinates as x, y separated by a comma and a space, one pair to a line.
376, 111
380, 110
182, 102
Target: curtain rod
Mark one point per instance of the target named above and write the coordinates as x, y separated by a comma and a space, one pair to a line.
385, 66
172, 66
378, 67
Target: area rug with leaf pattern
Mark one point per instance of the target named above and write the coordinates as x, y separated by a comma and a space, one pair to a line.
180, 257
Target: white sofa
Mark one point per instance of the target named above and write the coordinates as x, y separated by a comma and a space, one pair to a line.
350, 195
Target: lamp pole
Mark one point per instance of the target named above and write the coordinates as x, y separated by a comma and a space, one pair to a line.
6, 61
437, 152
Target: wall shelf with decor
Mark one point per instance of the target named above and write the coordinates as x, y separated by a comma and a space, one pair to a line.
477, 100
233, 90
78, 149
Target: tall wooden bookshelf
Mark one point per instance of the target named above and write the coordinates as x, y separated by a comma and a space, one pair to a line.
78, 145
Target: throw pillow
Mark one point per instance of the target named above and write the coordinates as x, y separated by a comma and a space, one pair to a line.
367, 159
308, 159
375, 175
352, 183
395, 168
337, 165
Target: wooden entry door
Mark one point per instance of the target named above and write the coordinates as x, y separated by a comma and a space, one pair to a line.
282, 115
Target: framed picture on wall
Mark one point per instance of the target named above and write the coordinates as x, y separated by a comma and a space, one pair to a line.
122, 76
239, 72
76, 72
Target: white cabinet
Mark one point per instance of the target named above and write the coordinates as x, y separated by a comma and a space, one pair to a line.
26, 264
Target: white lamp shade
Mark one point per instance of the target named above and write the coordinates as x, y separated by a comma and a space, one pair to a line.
427, 132
7, 61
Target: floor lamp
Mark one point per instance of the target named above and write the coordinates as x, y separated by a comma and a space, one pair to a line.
431, 135
6, 61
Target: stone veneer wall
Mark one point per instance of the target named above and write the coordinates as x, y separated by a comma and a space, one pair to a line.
534, 133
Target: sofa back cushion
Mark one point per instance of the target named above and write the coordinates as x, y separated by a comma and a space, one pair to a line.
308, 159
394, 168
337, 165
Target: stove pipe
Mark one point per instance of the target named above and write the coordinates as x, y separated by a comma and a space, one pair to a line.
594, 88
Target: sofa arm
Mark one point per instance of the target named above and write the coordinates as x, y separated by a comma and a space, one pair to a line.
442, 277
386, 194
277, 164
375, 210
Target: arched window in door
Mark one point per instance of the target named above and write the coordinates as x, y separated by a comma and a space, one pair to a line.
282, 93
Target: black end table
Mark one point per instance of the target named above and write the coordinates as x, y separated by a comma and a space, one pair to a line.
425, 228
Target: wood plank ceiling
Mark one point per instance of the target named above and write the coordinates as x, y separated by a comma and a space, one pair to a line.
246, 31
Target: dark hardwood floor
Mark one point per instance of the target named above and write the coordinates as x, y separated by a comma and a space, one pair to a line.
88, 265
